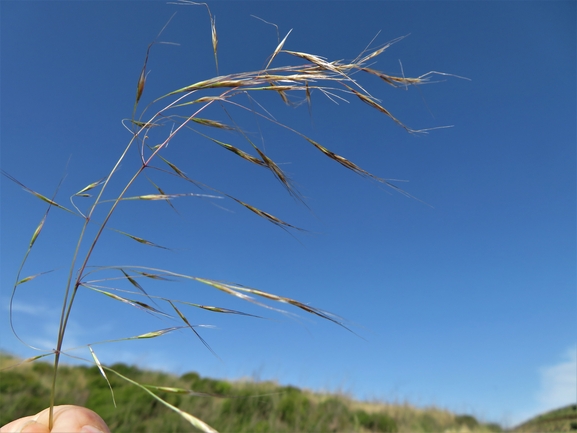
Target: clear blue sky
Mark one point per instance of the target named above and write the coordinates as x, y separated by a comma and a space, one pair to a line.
467, 302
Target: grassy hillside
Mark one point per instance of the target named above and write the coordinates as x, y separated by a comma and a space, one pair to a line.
245, 406
559, 420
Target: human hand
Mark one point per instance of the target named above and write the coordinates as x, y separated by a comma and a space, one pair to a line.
67, 419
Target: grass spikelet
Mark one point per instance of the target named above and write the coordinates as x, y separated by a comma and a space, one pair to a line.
36, 194
379, 51
156, 197
179, 172
195, 422
99, 365
49, 201
174, 167
140, 240
213, 34
25, 361
374, 104
37, 231
222, 287
341, 160
279, 174
239, 152
141, 82
131, 302
304, 307
142, 77
266, 215
282, 92
152, 276
391, 79
234, 290
144, 125
154, 334
212, 123
153, 197
134, 283
219, 309
215, 83
316, 60
173, 390
277, 49
214, 38
88, 188
185, 320
161, 191
308, 96
30, 278
204, 99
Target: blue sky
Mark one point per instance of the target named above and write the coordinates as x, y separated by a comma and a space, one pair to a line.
464, 299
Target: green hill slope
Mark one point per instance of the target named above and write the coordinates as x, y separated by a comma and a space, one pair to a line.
559, 420
227, 406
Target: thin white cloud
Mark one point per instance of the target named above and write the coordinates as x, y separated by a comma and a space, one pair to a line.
22, 307
559, 382
557, 388
42, 332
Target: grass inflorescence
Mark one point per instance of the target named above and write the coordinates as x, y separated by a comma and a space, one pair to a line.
152, 128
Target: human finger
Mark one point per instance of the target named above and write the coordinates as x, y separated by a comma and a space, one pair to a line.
67, 419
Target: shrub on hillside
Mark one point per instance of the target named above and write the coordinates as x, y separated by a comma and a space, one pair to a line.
294, 408
466, 420
376, 422
21, 394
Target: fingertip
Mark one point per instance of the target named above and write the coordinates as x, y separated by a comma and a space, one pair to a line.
32, 427
90, 429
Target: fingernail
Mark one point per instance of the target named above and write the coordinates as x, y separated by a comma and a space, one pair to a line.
90, 429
